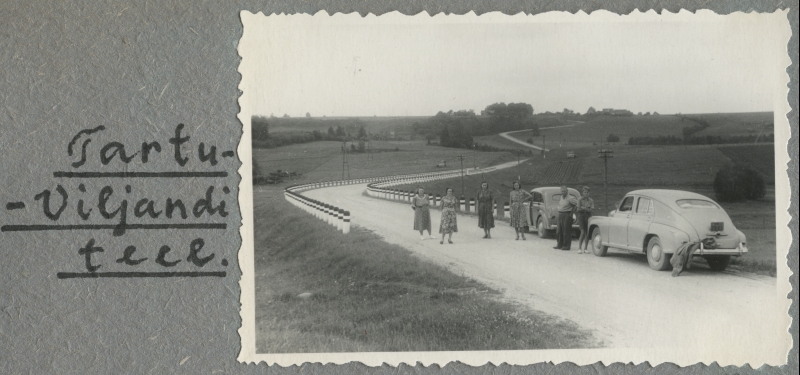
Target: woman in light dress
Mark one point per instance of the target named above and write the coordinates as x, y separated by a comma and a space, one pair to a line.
519, 220
449, 224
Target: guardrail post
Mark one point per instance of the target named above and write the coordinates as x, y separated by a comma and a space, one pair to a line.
506, 209
460, 204
472, 205
346, 223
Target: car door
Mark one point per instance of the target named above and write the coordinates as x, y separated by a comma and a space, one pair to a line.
618, 223
639, 223
536, 206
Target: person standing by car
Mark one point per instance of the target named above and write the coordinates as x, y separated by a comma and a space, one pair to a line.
519, 220
449, 224
485, 214
566, 207
585, 207
422, 214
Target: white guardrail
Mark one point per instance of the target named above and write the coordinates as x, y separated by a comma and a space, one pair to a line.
377, 187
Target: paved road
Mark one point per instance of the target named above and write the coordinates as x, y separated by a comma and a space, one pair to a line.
619, 297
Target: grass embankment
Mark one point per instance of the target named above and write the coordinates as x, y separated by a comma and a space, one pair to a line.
367, 295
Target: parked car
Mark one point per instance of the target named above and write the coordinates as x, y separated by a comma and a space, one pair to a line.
543, 210
658, 222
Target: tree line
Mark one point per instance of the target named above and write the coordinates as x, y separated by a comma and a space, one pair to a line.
339, 130
457, 129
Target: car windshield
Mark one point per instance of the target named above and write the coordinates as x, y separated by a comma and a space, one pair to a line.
696, 203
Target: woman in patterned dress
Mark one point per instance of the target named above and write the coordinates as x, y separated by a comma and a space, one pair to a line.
518, 218
485, 216
422, 214
448, 224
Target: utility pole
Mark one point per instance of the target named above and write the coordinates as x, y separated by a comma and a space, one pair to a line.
605, 154
345, 164
461, 158
544, 147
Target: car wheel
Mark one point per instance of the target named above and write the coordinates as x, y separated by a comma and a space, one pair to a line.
598, 249
656, 257
540, 230
718, 262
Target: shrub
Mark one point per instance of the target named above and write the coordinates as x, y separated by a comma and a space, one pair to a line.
738, 183
612, 138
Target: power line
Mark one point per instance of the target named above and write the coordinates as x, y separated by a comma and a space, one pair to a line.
461, 158
605, 154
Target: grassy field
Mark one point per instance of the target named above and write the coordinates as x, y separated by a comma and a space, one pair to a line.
323, 160
371, 124
595, 129
730, 124
367, 295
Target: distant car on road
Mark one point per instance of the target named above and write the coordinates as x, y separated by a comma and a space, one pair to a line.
658, 222
543, 210
570, 154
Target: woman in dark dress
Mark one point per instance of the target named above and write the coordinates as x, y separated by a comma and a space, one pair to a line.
485, 215
422, 214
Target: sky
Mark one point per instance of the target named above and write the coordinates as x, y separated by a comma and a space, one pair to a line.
395, 65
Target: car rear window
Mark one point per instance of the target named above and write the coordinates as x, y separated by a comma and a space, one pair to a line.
696, 203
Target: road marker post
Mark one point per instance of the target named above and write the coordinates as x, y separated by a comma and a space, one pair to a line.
346, 222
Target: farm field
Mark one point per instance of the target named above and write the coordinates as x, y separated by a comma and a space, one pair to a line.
729, 124
595, 129
319, 161
371, 124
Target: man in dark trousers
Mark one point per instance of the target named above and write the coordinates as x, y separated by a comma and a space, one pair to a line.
566, 206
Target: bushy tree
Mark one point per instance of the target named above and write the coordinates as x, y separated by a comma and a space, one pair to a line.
257, 174
612, 138
259, 127
738, 183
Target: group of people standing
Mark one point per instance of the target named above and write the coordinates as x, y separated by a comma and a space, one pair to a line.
519, 218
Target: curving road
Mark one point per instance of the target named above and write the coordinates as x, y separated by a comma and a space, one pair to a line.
619, 297
526, 144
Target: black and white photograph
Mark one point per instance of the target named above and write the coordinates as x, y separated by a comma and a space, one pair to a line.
515, 188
